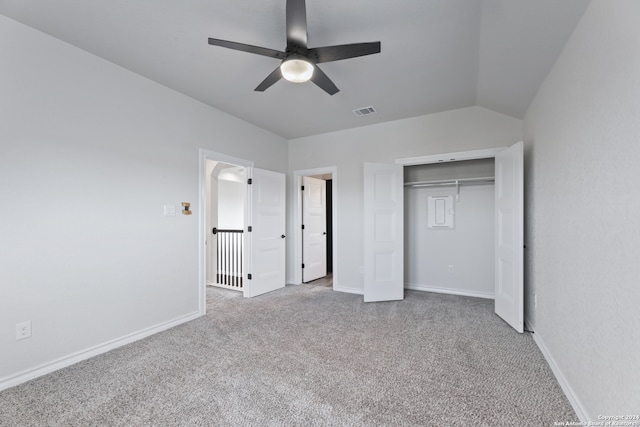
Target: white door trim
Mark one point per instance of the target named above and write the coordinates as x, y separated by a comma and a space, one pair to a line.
297, 221
203, 156
486, 153
314, 240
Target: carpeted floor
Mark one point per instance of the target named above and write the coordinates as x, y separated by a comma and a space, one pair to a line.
308, 356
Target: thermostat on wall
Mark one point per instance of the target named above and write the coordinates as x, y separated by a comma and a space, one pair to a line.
440, 212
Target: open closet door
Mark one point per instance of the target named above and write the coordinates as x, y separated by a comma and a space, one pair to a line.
268, 248
509, 236
383, 232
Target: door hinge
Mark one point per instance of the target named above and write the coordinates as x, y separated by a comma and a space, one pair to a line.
302, 265
303, 188
249, 181
303, 226
249, 229
249, 276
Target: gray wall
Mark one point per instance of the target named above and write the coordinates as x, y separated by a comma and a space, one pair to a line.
582, 159
455, 260
89, 155
231, 200
468, 248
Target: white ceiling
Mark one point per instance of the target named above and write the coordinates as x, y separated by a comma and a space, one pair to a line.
437, 55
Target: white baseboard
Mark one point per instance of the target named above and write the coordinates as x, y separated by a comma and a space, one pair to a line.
349, 290
449, 291
63, 362
566, 388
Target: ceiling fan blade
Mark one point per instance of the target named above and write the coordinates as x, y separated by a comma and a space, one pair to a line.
296, 23
272, 53
270, 80
345, 51
323, 82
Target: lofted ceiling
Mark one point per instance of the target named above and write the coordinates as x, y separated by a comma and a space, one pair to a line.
437, 55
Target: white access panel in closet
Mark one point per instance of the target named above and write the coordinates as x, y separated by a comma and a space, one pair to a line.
440, 212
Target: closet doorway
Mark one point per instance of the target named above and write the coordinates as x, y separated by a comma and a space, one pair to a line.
384, 227
449, 227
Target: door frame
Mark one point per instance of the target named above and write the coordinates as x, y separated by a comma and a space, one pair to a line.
297, 220
459, 156
486, 153
311, 236
203, 156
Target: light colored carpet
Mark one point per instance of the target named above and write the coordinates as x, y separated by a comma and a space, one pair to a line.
308, 356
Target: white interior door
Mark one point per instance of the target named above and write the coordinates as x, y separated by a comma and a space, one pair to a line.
268, 248
314, 234
509, 236
383, 232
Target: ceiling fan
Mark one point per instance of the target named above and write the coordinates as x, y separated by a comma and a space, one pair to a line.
299, 62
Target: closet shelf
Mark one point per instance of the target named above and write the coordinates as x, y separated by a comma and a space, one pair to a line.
442, 182
446, 182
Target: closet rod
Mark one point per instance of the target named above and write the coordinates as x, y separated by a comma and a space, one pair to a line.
440, 182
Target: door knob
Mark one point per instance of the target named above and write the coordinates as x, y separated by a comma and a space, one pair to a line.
283, 236
324, 233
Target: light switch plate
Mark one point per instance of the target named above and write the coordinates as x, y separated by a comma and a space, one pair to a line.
169, 210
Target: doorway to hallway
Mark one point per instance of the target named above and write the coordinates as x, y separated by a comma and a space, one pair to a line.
225, 217
254, 258
315, 203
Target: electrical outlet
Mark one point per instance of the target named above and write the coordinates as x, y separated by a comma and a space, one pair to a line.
23, 330
451, 269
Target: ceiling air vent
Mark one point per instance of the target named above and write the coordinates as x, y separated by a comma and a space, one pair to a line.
366, 111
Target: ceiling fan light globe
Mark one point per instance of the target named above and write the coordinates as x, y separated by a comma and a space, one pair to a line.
296, 70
